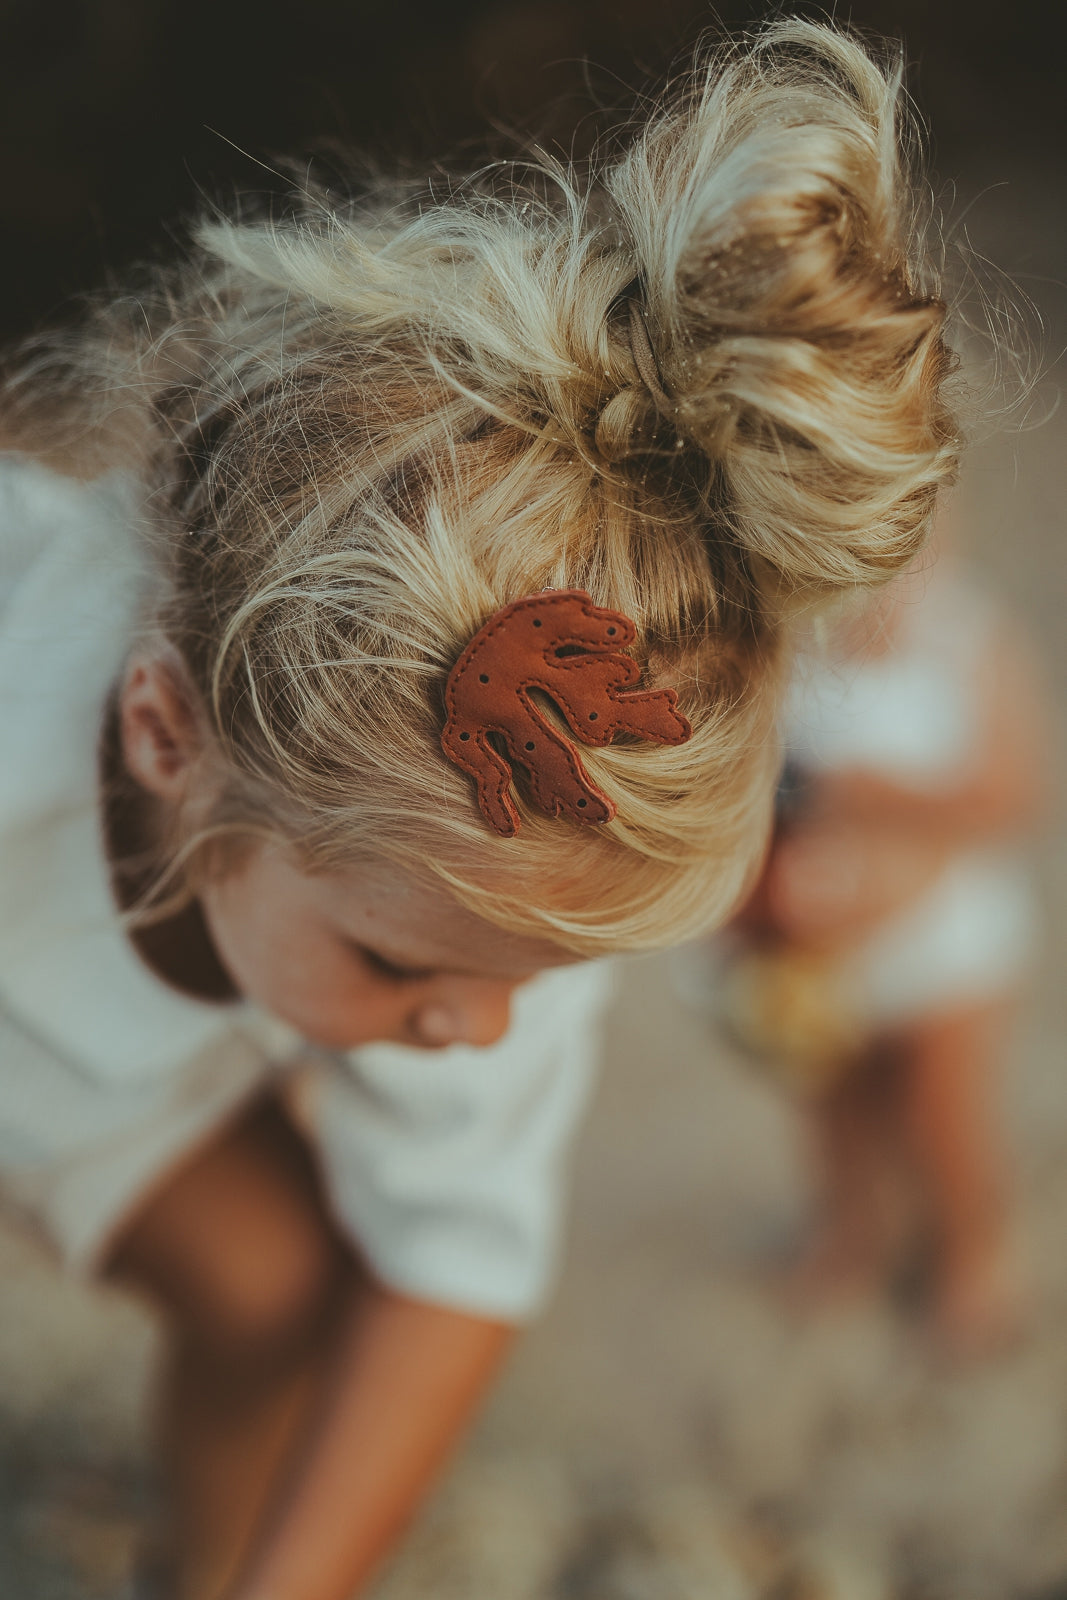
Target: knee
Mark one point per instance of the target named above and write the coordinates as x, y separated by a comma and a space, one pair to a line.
238, 1249
267, 1299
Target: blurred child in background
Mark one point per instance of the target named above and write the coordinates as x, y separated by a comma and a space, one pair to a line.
882, 955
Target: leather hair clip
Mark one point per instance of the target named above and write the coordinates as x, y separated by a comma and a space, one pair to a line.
571, 650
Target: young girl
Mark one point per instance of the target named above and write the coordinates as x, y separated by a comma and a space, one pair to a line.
881, 955
295, 1025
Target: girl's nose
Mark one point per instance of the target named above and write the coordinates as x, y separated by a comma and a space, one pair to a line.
477, 1014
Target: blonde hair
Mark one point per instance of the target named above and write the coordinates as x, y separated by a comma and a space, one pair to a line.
368, 425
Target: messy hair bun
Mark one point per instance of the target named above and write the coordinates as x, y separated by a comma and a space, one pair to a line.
702, 380
776, 243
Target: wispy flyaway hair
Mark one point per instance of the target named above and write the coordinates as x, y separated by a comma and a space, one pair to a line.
369, 424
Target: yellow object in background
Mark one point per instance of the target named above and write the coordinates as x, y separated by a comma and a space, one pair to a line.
790, 1008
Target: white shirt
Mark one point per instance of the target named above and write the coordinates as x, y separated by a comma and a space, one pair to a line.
445, 1166
912, 714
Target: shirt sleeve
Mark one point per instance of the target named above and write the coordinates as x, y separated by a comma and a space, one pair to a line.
27, 497
447, 1167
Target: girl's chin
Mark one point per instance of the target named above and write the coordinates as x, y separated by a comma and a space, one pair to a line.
334, 1039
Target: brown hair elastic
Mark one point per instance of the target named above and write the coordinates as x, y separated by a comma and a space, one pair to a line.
562, 644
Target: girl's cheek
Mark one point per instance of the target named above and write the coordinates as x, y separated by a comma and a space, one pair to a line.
364, 1014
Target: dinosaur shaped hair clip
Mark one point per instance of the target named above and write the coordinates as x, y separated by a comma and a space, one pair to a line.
571, 650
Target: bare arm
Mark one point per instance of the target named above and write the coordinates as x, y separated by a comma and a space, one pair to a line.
406, 1380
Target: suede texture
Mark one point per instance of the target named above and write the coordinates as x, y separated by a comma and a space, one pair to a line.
561, 645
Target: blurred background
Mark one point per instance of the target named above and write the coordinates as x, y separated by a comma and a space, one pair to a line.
674, 1429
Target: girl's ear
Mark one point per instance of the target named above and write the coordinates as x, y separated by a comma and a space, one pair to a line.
160, 735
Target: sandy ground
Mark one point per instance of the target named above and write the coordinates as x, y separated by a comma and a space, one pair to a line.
672, 1430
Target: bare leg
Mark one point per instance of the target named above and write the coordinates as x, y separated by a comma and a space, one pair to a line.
950, 1066
864, 1210
238, 1251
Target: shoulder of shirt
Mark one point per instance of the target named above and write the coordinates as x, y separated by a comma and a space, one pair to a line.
40, 507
